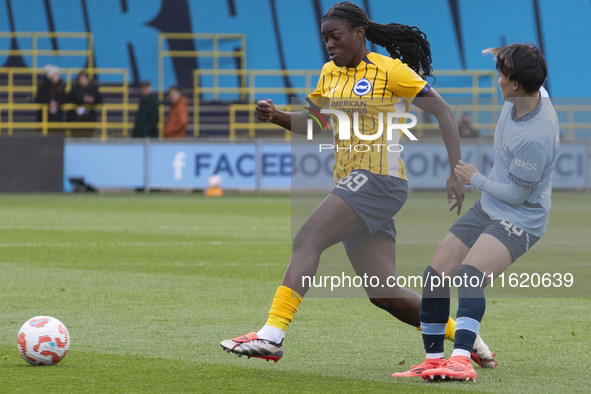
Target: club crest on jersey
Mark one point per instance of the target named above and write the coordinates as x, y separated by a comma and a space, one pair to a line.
362, 87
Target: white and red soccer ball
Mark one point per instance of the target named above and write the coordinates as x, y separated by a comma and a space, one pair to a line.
43, 340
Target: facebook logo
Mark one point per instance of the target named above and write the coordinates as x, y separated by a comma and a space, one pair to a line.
178, 163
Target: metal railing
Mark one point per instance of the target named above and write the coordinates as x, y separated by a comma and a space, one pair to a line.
11, 88
491, 111
251, 127
250, 85
35, 51
45, 126
475, 90
571, 125
482, 84
213, 40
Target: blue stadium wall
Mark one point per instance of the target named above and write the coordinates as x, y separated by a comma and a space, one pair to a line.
284, 34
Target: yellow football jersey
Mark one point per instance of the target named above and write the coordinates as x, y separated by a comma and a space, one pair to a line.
378, 85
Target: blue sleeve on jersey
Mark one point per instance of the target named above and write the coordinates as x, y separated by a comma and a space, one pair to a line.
511, 193
424, 90
528, 164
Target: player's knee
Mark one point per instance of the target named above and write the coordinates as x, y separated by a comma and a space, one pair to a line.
309, 238
299, 241
303, 239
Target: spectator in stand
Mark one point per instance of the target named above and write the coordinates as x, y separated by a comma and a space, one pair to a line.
146, 118
176, 122
85, 94
51, 91
465, 127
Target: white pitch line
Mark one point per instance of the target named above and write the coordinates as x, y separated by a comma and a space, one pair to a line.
141, 244
541, 243
144, 228
217, 243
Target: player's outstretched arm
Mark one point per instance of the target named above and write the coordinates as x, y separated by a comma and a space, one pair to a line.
432, 103
511, 193
295, 121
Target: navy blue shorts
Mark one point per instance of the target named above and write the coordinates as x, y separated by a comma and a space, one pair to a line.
375, 198
475, 222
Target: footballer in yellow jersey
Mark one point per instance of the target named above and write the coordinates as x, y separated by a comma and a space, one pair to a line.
378, 84
370, 187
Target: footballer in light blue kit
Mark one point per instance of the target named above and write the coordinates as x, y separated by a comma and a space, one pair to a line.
519, 187
510, 217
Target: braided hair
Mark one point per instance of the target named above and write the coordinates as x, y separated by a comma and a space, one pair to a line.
406, 43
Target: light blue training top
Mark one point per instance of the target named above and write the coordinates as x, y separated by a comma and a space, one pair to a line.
519, 187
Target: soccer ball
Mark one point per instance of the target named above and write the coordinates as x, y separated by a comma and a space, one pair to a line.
43, 340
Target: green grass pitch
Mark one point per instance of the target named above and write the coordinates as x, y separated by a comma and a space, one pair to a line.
148, 285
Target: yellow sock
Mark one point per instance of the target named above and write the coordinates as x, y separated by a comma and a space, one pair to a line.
284, 306
450, 329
